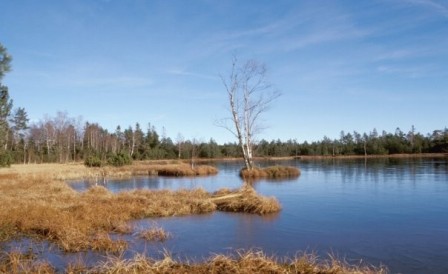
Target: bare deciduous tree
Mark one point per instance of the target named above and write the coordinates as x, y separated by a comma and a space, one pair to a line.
250, 95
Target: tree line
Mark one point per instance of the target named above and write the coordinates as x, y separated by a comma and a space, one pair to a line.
65, 139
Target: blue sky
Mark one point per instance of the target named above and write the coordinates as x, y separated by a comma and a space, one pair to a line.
340, 65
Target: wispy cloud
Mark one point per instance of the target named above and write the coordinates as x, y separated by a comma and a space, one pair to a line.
439, 7
408, 71
298, 29
182, 72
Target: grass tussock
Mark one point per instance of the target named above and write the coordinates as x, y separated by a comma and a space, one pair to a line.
242, 262
245, 200
274, 172
183, 170
18, 262
155, 234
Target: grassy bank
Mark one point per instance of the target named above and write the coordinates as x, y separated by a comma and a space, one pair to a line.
74, 171
242, 262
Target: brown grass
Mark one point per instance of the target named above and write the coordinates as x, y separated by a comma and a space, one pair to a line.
73, 171
242, 262
274, 172
155, 233
39, 206
49, 209
183, 170
18, 262
245, 200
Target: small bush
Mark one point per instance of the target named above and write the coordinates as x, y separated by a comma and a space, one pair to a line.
93, 161
5, 159
119, 159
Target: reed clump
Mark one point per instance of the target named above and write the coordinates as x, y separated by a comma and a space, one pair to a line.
155, 234
245, 200
273, 172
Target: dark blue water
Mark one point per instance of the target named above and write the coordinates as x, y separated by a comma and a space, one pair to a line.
389, 211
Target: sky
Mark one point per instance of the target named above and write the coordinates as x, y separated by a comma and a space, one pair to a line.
339, 64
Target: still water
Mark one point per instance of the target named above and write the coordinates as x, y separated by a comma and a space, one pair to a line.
389, 211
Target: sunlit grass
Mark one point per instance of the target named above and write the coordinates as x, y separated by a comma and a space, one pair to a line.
154, 233
273, 172
251, 261
36, 202
246, 200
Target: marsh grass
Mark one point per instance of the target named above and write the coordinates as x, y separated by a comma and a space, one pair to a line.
38, 206
75, 171
155, 234
183, 170
242, 262
37, 203
245, 200
251, 261
23, 262
272, 172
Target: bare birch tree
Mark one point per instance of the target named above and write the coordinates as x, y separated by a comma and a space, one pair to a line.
250, 95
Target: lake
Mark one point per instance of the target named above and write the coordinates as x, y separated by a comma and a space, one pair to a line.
392, 211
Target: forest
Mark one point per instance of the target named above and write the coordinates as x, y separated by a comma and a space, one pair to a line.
65, 139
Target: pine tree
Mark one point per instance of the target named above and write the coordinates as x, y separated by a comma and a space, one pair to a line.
5, 107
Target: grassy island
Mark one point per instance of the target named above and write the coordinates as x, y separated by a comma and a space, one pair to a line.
273, 172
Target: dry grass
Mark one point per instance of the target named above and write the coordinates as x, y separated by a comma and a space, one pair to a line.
49, 209
39, 206
18, 262
74, 171
183, 170
245, 200
155, 233
274, 172
242, 262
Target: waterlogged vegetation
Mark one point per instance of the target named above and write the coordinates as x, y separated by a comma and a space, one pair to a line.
41, 206
243, 262
273, 172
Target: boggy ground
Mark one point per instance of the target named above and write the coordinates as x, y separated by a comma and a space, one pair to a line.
36, 202
243, 262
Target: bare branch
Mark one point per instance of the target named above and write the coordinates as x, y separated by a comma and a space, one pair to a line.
249, 95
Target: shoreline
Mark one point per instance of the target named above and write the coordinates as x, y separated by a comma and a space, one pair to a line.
77, 170
325, 157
